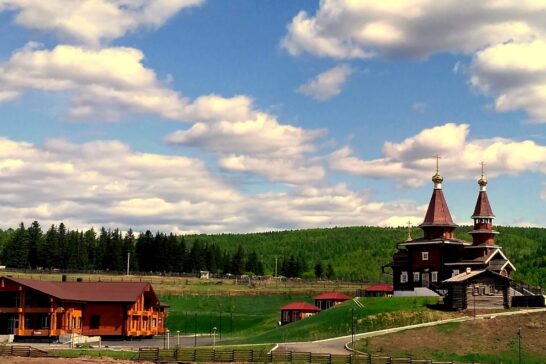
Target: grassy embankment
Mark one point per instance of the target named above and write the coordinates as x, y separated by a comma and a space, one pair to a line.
247, 320
485, 341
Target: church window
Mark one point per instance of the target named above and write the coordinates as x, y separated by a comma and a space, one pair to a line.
404, 277
434, 276
416, 276
424, 255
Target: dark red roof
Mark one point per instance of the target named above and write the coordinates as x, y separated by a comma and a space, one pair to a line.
380, 287
300, 306
438, 212
483, 208
90, 291
334, 296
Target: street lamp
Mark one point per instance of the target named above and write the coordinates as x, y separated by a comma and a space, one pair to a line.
177, 337
214, 336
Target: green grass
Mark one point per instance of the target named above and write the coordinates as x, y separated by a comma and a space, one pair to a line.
75, 353
377, 314
231, 315
253, 319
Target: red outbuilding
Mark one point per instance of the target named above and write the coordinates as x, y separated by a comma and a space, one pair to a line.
45, 309
379, 290
296, 311
330, 299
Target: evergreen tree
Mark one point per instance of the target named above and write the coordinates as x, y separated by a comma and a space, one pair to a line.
34, 244
51, 252
17, 249
329, 271
319, 270
61, 253
129, 250
90, 239
238, 261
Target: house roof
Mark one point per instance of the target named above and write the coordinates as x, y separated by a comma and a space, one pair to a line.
334, 296
466, 276
89, 291
380, 287
483, 208
300, 306
438, 212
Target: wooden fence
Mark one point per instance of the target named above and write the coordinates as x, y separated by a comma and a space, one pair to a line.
27, 351
254, 356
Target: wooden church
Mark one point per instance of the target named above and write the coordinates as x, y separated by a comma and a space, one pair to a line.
453, 267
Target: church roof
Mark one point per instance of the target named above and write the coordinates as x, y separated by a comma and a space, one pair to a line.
438, 212
483, 208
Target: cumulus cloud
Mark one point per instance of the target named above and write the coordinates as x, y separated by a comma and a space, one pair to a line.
82, 185
515, 74
327, 84
411, 162
291, 171
252, 141
94, 21
346, 29
103, 83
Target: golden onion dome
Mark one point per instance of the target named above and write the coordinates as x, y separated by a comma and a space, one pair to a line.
437, 178
482, 181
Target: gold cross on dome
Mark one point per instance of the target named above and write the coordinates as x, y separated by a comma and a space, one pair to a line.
437, 156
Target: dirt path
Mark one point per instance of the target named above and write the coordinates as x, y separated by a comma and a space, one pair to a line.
81, 360
337, 345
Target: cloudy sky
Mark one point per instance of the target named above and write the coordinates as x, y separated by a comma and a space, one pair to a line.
238, 116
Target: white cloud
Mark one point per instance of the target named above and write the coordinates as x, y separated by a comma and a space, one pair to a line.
103, 83
82, 185
345, 29
327, 84
515, 74
263, 135
411, 162
289, 170
94, 21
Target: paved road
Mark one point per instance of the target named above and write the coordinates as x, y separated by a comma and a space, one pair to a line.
337, 345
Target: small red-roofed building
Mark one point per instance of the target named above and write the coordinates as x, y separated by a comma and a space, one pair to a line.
330, 299
296, 311
379, 290
45, 309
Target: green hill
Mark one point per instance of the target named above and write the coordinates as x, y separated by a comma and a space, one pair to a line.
359, 252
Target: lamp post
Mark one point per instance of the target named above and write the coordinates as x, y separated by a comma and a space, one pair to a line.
177, 337
519, 345
168, 338
214, 336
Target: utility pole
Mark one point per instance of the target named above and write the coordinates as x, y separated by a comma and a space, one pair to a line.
128, 260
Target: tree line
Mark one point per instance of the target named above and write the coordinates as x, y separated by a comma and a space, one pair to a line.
112, 250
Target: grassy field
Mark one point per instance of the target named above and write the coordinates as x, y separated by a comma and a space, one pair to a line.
182, 286
253, 319
485, 341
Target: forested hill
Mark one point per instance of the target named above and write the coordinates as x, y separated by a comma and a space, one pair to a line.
359, 252
356, 253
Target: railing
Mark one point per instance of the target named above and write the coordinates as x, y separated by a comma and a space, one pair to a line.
526, 289
255, 356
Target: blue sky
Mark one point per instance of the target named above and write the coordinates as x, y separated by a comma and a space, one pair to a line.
237, 116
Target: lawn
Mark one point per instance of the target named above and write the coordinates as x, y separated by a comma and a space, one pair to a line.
253, 319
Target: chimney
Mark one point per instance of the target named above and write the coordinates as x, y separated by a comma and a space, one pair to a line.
468, 270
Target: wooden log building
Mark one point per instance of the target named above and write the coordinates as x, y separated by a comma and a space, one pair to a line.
481, 289
330, 299
45, 309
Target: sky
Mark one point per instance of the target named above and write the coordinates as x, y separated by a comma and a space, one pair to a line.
212, 116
